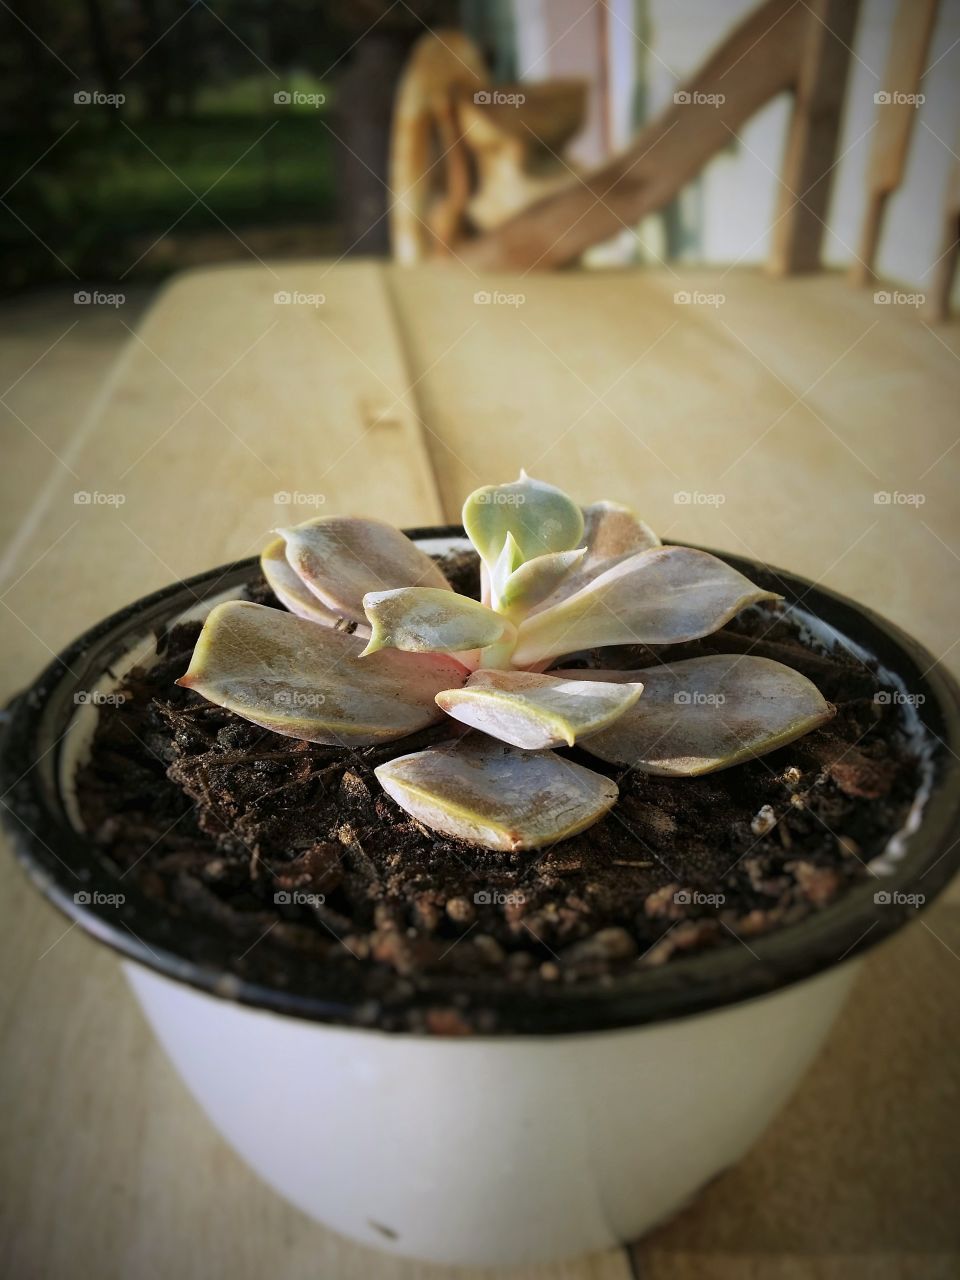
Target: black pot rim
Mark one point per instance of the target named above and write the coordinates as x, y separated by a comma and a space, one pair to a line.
64, 863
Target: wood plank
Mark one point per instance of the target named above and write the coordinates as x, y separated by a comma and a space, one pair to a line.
781, 410
603, 384
223, 400
808, 166
857, 1178
54, 356
110, 1169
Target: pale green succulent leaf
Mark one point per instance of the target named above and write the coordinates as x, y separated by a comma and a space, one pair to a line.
508, 561
708, 713
536, 712
536, 579
305, 680
341, 558
666, 595
497, 796
295, 595
611, 533
425, 620
540, 517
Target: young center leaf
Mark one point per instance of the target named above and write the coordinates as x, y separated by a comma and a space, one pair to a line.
662, 596
340, 559
497, 796
537, 711
536, 579
308, 681
708, 713
540, 517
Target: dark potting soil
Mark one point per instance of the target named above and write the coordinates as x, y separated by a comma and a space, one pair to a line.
292, 853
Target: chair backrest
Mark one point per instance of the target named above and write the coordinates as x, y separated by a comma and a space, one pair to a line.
429, 194
780, 46
467, 155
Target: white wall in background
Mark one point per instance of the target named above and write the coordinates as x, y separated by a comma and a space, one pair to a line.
559, 38
728, 213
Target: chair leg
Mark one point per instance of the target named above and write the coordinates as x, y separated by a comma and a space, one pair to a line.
812, 143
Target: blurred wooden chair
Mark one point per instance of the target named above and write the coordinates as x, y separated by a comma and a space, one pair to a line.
516, 219
467, 155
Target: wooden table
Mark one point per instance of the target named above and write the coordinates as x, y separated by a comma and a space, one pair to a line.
759, 417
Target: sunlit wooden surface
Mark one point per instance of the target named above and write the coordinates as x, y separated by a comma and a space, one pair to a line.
759, 417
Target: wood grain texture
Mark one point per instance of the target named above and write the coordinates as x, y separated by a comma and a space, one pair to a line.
795, 401
223, 399
764, 423
852, 1180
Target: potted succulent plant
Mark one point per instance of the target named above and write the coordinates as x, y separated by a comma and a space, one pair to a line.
488, 923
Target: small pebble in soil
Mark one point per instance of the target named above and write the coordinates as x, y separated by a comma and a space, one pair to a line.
763, 821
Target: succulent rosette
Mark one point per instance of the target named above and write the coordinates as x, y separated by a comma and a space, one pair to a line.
377, 645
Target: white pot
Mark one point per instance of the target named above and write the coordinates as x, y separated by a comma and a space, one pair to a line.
594, 1114
491, 1151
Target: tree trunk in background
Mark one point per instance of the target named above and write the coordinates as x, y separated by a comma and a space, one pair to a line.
100, 44
362, 111
153, 69
186, 75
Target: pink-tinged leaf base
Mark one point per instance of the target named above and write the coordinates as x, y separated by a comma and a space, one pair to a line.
304, 680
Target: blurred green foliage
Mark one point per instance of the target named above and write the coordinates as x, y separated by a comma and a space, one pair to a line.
87, 186
113, 180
